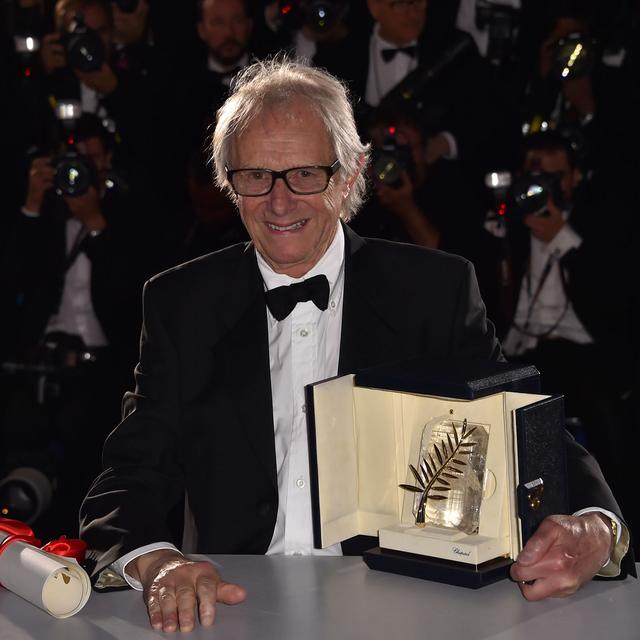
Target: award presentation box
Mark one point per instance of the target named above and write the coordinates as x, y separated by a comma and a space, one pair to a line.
366, 429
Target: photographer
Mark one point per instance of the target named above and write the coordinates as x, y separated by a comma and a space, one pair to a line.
583, 82
569, 295
401, 42
79, 62
416, 199
71, 266
310, 29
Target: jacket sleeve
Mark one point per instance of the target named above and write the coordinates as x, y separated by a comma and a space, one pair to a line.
127, 505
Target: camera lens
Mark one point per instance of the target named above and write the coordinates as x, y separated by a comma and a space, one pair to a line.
387, 169
574, 56
24, 494
321, 16
85, 49
73, 176
531, 192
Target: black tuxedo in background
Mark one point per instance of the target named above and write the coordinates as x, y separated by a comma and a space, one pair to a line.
201, 420
596, 378
61, 430
458, 100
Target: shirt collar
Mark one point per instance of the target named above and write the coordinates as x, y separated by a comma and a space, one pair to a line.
331, 264
215, 66
380, 43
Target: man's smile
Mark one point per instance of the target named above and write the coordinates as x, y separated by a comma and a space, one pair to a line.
294, 226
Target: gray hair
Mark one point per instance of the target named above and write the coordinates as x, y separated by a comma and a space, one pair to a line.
280, 80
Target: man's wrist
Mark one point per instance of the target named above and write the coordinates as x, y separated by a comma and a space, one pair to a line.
612, 526
31, 210
139, 567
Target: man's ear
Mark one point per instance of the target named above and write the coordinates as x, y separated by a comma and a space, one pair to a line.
372, 5
353, 177
576, 176
200, 28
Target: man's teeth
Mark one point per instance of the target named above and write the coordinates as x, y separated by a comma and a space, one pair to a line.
291, 227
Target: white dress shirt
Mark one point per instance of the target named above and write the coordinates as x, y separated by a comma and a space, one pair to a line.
76, 314
549, 312
305, 348
217, 67
382, 76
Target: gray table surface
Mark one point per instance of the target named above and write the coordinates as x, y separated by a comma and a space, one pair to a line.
340, 598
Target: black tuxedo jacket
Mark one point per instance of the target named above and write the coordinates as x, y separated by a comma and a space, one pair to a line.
200, 419
456, 100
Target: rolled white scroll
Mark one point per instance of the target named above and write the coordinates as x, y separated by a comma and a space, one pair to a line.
56, 584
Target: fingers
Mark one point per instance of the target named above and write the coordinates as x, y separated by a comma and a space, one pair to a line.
52, 52
229, 593
555, 586
206, 589
540, 542
563, 554
180, 589
41, 176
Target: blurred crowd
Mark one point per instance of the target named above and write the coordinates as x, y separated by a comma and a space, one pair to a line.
501, 130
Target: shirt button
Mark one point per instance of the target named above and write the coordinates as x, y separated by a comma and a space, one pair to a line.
300, 483
304, 408
332, 304
304, 333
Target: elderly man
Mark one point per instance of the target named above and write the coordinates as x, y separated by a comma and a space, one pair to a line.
230, 340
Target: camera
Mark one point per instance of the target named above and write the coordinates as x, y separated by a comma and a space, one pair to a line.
319, 15
84, 47
391, 159
574, 56
74, 172
525, 195
25, 493
530, 193
501, 22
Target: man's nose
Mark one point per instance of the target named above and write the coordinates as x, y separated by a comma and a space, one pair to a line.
280, 197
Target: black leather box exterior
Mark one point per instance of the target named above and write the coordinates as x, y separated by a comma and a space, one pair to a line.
541, 455
464, 379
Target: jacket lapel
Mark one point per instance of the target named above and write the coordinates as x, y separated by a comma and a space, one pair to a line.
369, 324
245, 350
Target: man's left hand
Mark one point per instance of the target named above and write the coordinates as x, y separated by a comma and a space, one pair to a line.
399, 198
103, 81
546, 227
563, 554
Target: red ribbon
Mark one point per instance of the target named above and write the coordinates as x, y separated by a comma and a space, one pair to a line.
16, 530
63, 546
67, 547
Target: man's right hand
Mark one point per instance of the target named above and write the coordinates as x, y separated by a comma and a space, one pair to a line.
52, 53
173, 586
40, 180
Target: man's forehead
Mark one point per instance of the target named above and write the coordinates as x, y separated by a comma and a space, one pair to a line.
285, 114
224, 7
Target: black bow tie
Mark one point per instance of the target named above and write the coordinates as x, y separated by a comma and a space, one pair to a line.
390, 54
282, 300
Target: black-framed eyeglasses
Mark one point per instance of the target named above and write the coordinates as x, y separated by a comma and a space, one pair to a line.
303, 181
